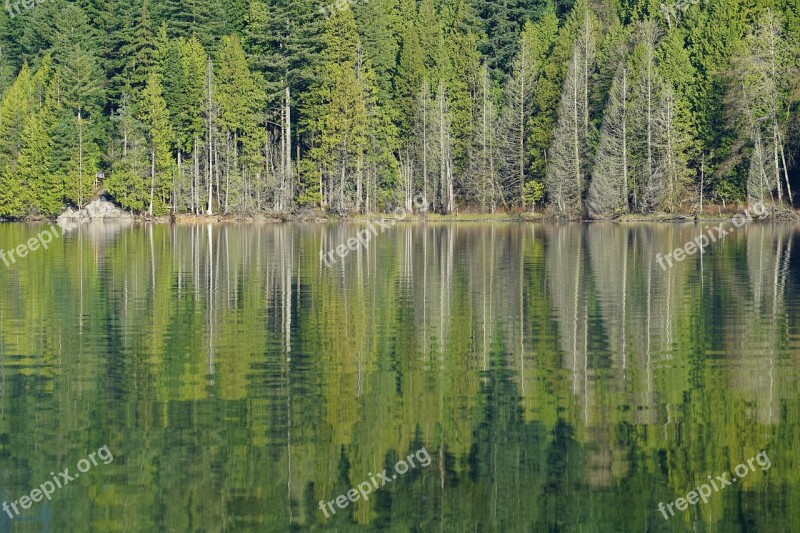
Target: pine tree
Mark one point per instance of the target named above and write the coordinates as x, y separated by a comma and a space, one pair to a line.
78, 98
331, 106
118, 23
184, 94
128, 179
139, 53
206, 20
375, 20
240, 101
443, 124
673, 144
502, 22
40, 190
15, 109
459, 45
410, 73
155, 119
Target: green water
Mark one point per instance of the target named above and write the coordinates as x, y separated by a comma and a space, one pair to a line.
556, 376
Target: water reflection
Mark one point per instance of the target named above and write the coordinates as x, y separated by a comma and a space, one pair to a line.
559, 377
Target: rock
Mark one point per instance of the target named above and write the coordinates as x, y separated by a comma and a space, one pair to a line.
98, 210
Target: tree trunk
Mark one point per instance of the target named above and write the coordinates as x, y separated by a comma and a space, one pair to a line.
624, 191
576, 130
152, 179
209, 104
425, 147
287, 117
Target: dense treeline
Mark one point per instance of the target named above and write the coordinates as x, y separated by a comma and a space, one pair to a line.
242, 106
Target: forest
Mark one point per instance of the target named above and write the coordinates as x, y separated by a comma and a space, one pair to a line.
592, 108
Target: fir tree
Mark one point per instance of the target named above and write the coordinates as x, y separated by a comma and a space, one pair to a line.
157, 134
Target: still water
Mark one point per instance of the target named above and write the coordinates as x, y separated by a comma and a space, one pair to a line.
548, 377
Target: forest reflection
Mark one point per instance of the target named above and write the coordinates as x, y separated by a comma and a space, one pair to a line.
560, 379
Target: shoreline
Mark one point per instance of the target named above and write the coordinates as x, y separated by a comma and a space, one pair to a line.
319, 217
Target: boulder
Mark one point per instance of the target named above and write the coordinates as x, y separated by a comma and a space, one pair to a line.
98, 210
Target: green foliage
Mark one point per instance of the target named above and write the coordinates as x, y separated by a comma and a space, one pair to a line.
354, 72
158, 138
532, 193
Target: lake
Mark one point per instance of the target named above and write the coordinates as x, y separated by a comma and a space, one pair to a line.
530, 377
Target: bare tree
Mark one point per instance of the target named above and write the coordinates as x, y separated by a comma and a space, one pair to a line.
444, 156
671, 142
608, 191
646, 98
565, 180
424, 138
766, 77
519, 99
484, 154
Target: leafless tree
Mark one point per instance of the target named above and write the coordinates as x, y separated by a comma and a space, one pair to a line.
565, 180
608, 191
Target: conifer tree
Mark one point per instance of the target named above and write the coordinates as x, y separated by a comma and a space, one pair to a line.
240, 101
338, 112
139, 53
128, 179
41, 191
158, 136
410, 73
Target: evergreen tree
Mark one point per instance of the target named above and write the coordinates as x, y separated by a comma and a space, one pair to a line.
139, 53
39, 192
502, 24
423, 144
240, 101
78, 98
158, 136
339, 113
359, 105
15, 109
206, 20
410, 73
128, 179
375, 20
